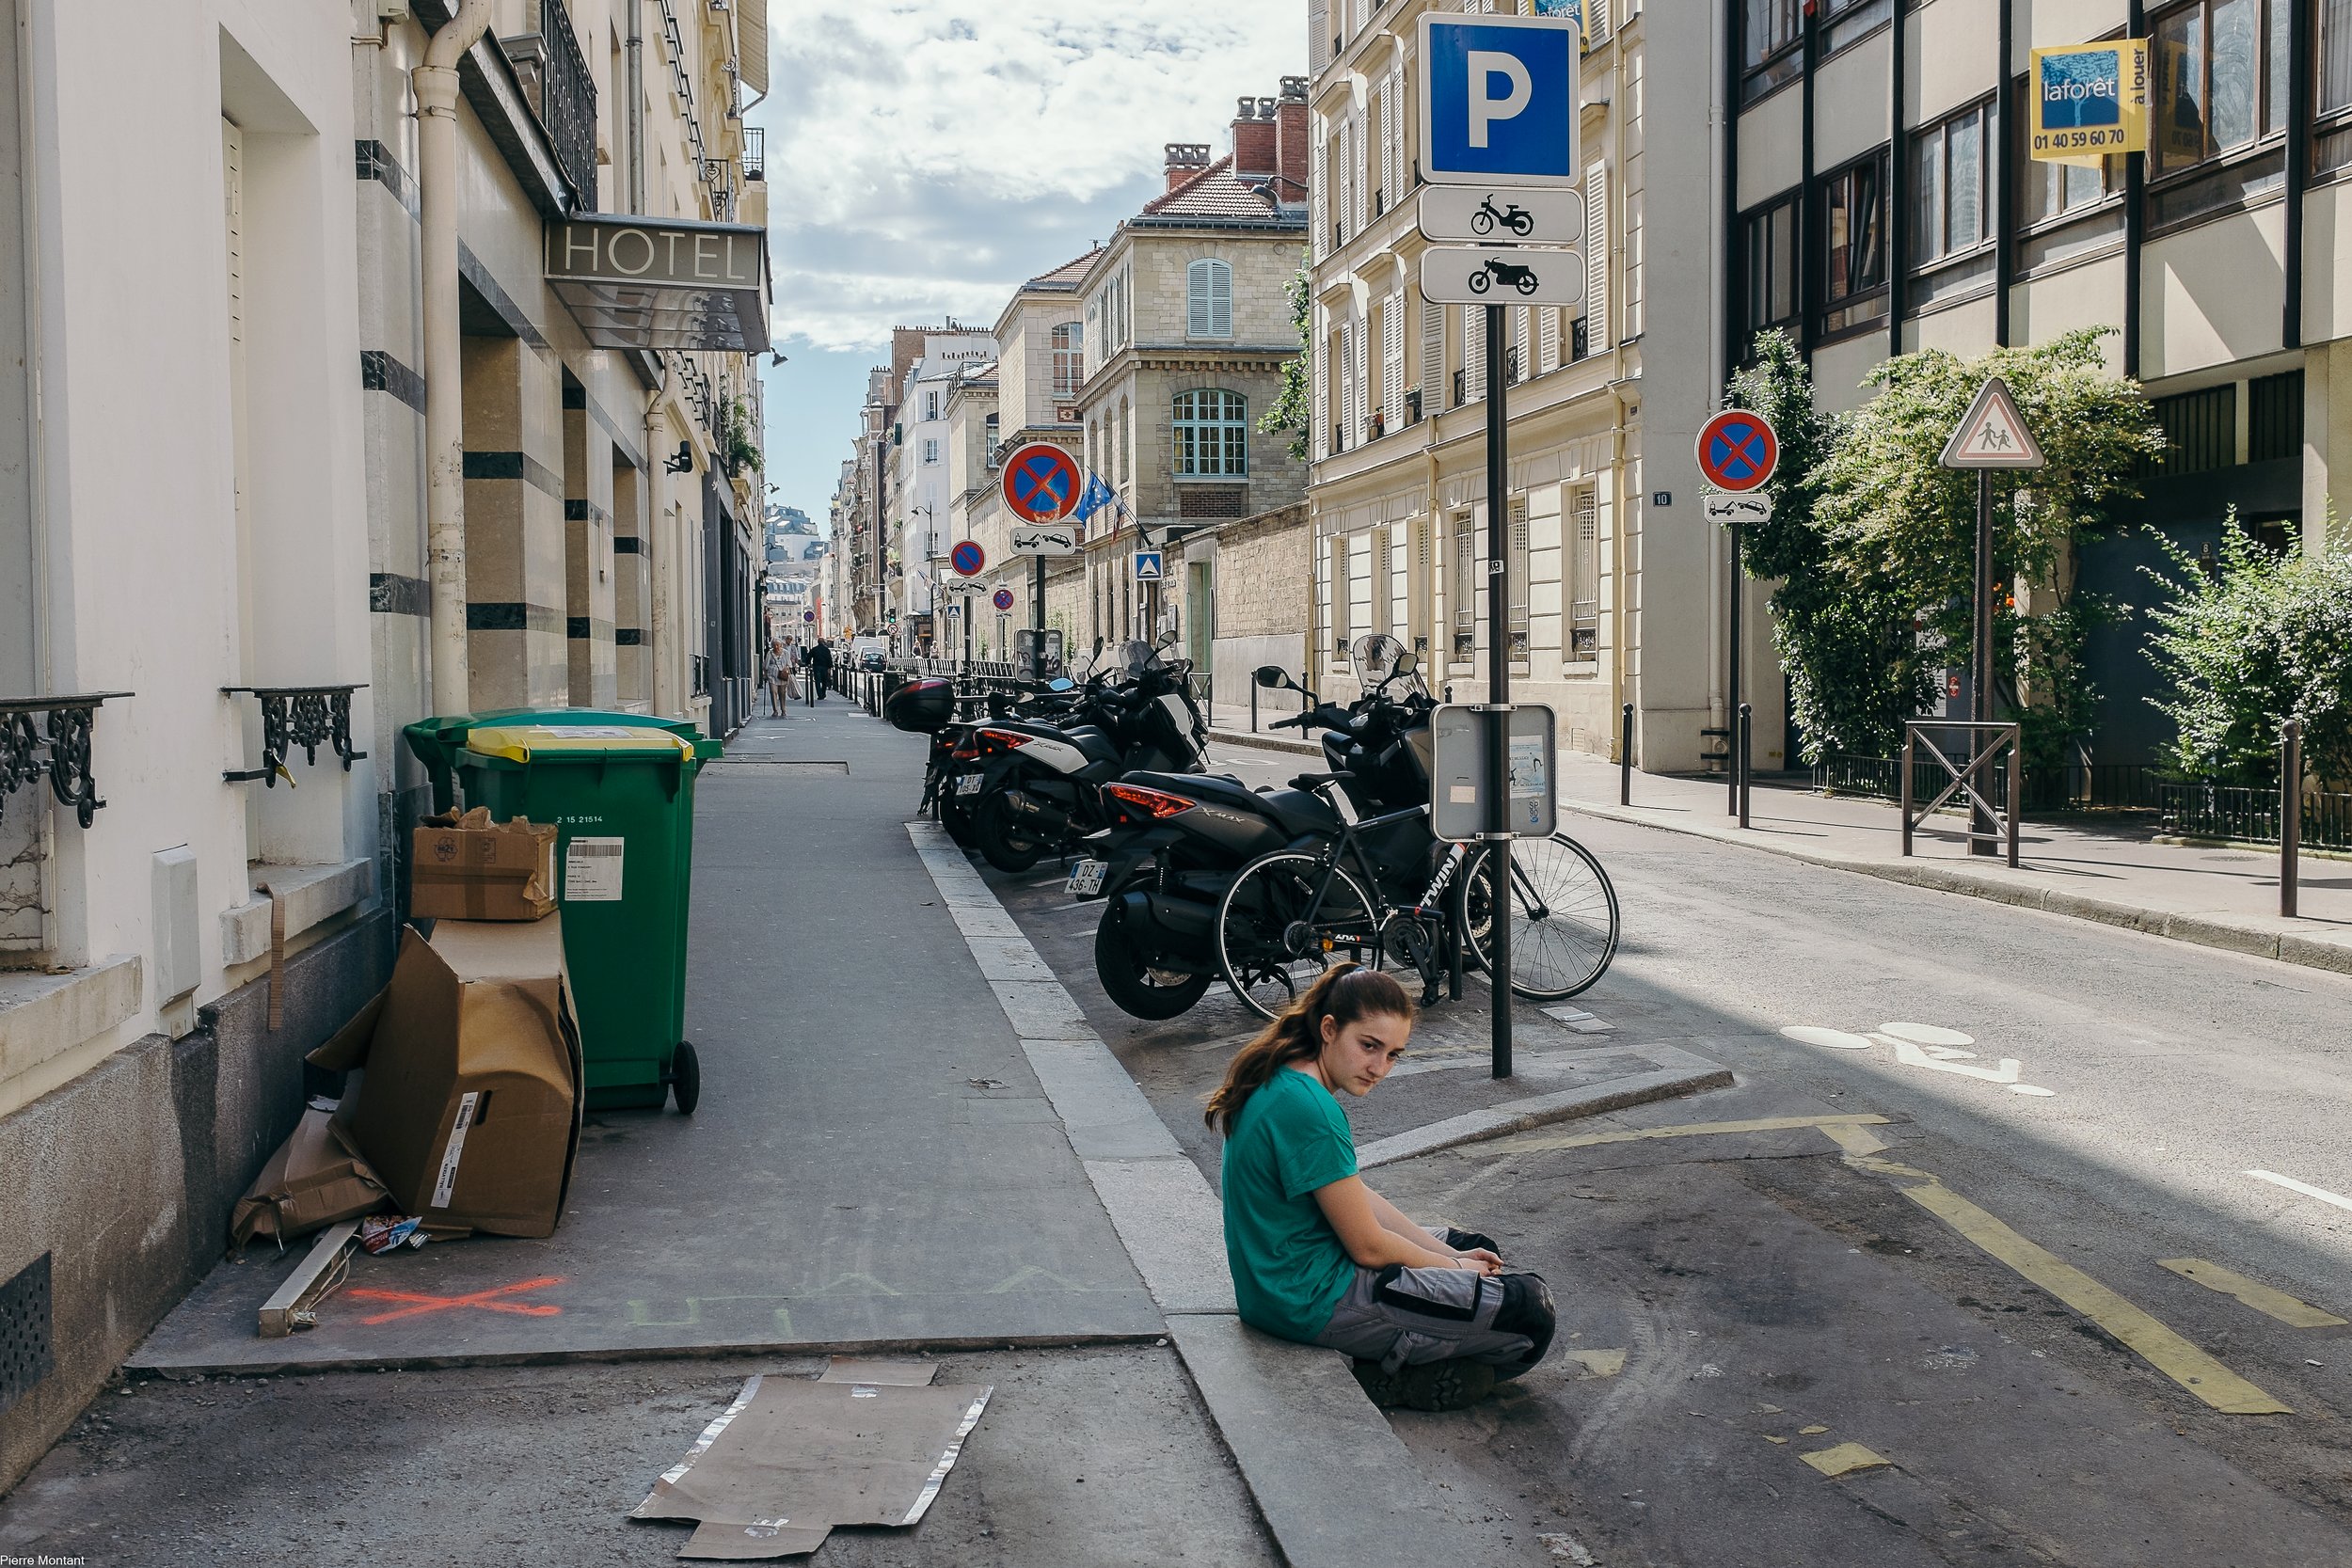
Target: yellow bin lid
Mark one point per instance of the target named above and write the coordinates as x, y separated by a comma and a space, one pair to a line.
552, 742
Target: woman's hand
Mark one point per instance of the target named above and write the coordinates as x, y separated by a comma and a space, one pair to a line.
1479, 1258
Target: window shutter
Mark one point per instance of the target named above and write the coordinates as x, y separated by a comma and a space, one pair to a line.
1318, 36
1343, 192
1418, 588
1585, 588
1221, 300
1546, 341
1460, 590
1363, 378
1596, 334
1343, 590
1521, 345
1596, 22
1473, 353
1360, 164
1318, 189
1197, 300
1516, 543
1380, 618
1432, 357
1393, 361
1320, 443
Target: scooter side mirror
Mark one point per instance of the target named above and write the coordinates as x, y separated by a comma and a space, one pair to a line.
1407, 662
1271, 678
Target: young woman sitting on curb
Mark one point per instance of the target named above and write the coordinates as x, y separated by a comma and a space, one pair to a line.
1432, 1317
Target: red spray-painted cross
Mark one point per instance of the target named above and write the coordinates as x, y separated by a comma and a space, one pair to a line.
484, 1301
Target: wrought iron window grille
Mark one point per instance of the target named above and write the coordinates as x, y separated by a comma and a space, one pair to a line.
305, 716
67, 722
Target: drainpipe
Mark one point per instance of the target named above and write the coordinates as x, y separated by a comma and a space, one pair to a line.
444, 366
665, 692
636, 107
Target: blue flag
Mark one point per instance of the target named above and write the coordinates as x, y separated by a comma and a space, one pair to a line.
1096, 496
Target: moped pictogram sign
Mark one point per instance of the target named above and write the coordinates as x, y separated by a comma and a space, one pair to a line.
1738, 450
1041, 483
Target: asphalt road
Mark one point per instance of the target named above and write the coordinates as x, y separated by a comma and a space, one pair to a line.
2066, 1108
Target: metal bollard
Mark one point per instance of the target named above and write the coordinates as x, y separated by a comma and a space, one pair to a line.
1624, 758
1747, 714
2289, 814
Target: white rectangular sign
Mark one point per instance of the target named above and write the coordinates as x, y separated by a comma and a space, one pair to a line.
1050, 539
1751, 506
1458, 275
1529, 214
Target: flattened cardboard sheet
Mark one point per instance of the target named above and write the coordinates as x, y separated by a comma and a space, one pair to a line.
869, 1443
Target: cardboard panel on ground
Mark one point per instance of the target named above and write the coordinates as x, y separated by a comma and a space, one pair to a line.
867, 1442
854, 1182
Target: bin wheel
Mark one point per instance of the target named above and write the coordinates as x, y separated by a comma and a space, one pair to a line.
686, 1078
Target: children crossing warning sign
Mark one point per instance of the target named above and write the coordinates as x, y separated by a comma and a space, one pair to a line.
1992, 434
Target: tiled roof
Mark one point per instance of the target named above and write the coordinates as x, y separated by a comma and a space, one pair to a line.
1067, 276
1213, 194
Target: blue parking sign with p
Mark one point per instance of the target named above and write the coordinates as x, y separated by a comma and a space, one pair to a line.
1498, 100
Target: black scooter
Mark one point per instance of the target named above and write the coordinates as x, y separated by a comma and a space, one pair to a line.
1165, 865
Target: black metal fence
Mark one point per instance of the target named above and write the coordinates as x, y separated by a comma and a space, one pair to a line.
2188, 808
2198, 810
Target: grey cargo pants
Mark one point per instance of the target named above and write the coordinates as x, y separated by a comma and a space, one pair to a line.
1401, 1317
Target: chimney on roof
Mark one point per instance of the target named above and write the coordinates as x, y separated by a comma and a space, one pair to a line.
1290, 141
1185, 160
1253, 140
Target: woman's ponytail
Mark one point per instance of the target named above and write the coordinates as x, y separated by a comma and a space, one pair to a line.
1343, 994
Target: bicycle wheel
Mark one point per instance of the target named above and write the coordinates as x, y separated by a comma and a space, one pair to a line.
1267, 949
1564, 917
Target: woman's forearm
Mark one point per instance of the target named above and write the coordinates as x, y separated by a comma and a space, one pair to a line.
1398, 1223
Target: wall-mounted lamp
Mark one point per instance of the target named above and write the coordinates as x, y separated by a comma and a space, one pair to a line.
683, 463
777, 356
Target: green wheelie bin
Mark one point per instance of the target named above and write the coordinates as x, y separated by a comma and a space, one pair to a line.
621, 795
436, 741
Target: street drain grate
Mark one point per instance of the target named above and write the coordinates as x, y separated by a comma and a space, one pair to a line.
26, 1356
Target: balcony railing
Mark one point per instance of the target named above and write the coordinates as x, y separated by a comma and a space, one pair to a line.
755, 152
555, 77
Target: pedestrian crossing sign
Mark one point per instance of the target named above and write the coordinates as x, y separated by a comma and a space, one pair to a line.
1992, 434
1148, 565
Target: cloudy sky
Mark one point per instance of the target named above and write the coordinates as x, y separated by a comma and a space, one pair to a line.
924, 157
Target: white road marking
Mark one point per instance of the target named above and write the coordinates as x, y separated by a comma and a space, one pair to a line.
1921, 1045
1836, 1040
2291, 1185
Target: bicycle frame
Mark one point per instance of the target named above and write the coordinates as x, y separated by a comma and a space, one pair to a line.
1429, 906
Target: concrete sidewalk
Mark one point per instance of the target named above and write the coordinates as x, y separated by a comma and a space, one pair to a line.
2224, 897
873, 1163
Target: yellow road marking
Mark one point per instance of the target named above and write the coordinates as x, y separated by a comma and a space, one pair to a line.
1530, 1143
2261, 1298
1844, 1459
1597, 1363
1811, 1432
1771, 1439
2156, 1344
2159, 1346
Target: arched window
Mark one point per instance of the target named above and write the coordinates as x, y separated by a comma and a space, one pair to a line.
1069, 360
1211, 434
1208, 299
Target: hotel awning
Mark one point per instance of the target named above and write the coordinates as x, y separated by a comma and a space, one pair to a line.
644, 283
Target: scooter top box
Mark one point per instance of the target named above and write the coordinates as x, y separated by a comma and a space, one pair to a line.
922, 706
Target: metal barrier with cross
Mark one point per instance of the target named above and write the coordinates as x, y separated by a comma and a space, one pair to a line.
1972, 777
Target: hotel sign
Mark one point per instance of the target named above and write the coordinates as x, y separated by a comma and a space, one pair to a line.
2087, 102
633, 282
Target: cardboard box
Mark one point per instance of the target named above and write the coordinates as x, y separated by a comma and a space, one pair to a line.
469, 1102
470, 868
316, 1178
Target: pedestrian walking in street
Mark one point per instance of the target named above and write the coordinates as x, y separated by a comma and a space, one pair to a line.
1433, 1318
820, 670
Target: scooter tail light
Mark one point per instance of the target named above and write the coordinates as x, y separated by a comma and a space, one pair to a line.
1155, 803
1009, 739
966, 753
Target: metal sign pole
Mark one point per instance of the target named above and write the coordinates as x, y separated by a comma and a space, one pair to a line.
1733, 743
1983, 827
1497, 694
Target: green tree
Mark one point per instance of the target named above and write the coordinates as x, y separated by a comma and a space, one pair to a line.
1293, 406
1878, 541
2260, 638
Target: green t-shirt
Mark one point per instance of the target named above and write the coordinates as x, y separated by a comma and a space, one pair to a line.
1289, 1269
